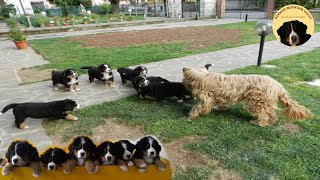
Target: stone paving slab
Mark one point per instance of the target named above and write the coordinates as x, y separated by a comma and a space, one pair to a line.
10, 92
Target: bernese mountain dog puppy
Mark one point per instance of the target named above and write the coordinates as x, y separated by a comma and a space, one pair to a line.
67, 77
22, 154
39, 110
82, 152
117, 153
142, 81
131, 74
163, 90
53, 158
293, 33
106, 152
124, 153
147, 153
103, 73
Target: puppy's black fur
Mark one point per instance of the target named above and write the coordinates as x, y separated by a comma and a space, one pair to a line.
86, 146
67, 77
163, 90
23, 149
22, 154
103, 73
148, 152
54, 109
142, 81
131, 74
298, 31
53, 158
106, 152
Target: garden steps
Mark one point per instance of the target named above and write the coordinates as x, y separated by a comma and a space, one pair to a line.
3, 26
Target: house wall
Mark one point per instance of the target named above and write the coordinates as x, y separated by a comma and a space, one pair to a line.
26, 4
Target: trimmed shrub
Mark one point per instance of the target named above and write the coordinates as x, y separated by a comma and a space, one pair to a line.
37, 19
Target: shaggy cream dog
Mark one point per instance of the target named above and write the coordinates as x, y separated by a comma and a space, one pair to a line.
259, 93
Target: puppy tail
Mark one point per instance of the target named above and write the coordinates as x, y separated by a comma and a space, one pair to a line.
10, 106
292, 109
207, 66
86, 67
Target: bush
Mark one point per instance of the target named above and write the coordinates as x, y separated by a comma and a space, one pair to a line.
106, 9
15, 34
7, 10
281, 3
11, 22
38, 19
23, 20
94, 16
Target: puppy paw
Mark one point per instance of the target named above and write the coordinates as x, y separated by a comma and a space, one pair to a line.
75, 118
141, 170
26, 127
162, 168
112, 85
77, 89
5, 172
55, 88
130, 163
36, 174
96, 169
92, 83
124, 168
67, 171
143, 165
72, 90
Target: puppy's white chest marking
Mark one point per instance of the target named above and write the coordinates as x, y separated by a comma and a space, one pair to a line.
80, 162
73, 81
106, 76
148, 159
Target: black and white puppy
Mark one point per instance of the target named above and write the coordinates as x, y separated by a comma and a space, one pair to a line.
293, 33
103, 73
148, 152
142, 81
124, 153
67, 77
22, 154
82, 152
39, 110
53, 158
106, 152
163, 90
131, 74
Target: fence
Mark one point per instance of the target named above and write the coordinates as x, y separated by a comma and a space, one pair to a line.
256, 9
190, 9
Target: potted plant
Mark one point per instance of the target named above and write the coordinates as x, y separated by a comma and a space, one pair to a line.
85, 20
41, 22
17, 36
57, 20
51, 23
71, 17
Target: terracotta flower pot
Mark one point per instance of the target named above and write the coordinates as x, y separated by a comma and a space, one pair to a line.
65, 24
21, 44
50, 25
85, 22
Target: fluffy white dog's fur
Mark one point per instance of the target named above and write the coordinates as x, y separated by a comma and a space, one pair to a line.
259, 93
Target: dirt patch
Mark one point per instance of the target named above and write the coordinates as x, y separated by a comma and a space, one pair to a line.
290, 128
114, 131
194, 37
223, 174
32, 75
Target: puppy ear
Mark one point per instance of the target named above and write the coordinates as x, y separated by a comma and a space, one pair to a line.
71, 147
303, 27
281, 30
158, 147
32, 152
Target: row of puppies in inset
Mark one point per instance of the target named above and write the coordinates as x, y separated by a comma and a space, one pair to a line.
69, 77
84, 152
152, 86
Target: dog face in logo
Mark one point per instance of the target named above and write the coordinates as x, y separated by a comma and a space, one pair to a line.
293, 33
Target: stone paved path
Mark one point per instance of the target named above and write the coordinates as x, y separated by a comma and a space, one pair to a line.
11, 59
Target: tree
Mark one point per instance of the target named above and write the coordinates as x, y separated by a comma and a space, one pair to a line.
71, 2
115, 6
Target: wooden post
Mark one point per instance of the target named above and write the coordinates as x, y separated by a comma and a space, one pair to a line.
270, 7
221, 6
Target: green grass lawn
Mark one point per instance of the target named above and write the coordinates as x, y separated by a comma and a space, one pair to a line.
254, 152
63, 53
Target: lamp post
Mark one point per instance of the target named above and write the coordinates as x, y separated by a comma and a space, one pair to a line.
262, 28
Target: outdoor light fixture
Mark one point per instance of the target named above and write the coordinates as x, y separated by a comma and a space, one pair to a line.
43, 13
262, 28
